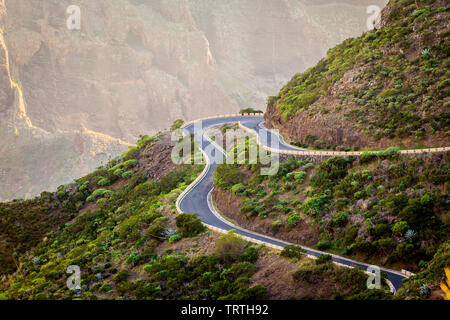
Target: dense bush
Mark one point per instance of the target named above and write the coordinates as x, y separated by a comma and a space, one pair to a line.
292, 251
276, 225
175, 238
189, 224
230, 247
339, 219
324, 258
324, 245
131, 154
144, 141
175, 177
127, 174
331, 172
130, 163
104, 182
315, 206
226, 176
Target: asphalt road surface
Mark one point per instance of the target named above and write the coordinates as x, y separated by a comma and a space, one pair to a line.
197, 200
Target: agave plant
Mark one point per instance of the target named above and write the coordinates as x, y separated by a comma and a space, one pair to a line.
426, 53
423, 290
410, 234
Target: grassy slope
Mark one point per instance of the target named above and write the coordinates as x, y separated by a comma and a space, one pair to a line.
400, 88
121, 228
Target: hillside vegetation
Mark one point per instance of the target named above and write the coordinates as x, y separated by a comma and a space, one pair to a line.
388, 87
383, 208
120, 225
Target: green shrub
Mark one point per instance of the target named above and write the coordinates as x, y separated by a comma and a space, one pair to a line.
381, 230
339, 219
131, 154
144, 140
324, 245
330, 172
426, 200
127, 174
400, 228
390, 153
118, 172
155, 230
238, 188
130, 163
243, 269
350, 235
250, 254
175, 238
134, 258
61, 195
122, 276
189, 224
226, 176
323, 259
367, 157
403, 252
276, 225
178, 175
292, 251
104, 182
257, 292
230, 247
105, 287
83, 187
315, 206
292, 221
100, 192
101, 201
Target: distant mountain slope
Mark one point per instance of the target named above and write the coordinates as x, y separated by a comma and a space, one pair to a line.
32, 160
137, 65
388, 87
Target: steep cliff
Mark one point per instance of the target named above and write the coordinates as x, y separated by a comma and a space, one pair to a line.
136, 66
388, 87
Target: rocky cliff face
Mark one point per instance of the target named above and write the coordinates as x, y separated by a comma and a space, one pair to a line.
70, 99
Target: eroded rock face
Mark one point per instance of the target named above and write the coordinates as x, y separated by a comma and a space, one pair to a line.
137, 65
333, 127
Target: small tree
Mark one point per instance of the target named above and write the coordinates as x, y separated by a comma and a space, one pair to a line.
249, 110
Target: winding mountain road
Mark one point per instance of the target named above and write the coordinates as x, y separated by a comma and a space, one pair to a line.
197, 197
